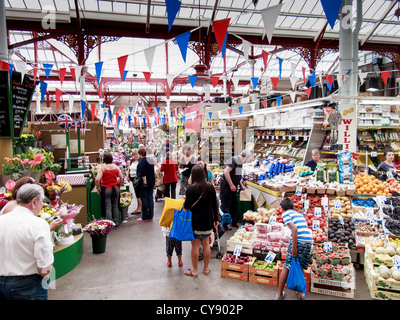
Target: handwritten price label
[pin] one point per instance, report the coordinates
(270, 257)
(272, 220)
(238, 250)
(298, 191)
(328, 246)
(396, 262)
(338, 204)
(306, 204)
(316, 225)
(317, 211)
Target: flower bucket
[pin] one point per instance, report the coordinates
(124, 213)
(99, 243)
(3, 179)
(17, 150)
(26, 174)
(35, 175)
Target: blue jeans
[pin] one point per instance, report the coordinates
(30, 287)
(111, 204)
(146, 194)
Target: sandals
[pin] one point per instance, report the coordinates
(189, 273)
(169, 264)
(207, 272)
(283, 296)
(303, 295)
(180, 263)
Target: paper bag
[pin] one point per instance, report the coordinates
(245, 195)
(260, 200)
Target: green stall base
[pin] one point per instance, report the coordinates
(243, 206)
(66, 258)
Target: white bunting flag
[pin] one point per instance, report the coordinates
(269, 17)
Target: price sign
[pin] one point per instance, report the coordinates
(396, 262)
(380, 200)
(272, 220)
(298, 191)
(328, 246)
(270, 257)
(284, 137)
(317, 211)
(374, 154)
(306, 204)
(315, 225)
(369, 212)
(389, 175)
(305, 138)
(341, 220)
(297, 138)
(373, 221)
(238, 250)
(325, 201)
(338, 204)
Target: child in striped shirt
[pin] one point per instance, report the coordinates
(300, 244)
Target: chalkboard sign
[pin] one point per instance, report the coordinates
(5, 121)
(22, 91)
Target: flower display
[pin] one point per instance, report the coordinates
(48, 212)
(4, 199)
(99, 227)
(55, 190)
(125, 199)
(12, 165)
(67, 213)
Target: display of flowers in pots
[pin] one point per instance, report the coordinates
(99, 227)
(5, 198)
(125, 199)
(12, 166)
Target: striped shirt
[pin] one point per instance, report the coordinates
(303, 232)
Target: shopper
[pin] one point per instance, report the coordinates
(388, 164)
(299, 246)
(26, 248)
(131, 177)
(171, 245)
(208, 174)
(201, 199)
(187, 162)
(108, 182)
(145, 170)
(166, 147)
(315, 154)
(170, 168)
(231, 181)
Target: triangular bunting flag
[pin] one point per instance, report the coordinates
(149, 54)
(124, 76)
(246, 48)
(83, 107)
(62, 73)
(93, 109)
(252, 106)
(70, 103)
(192, 80)
(230, 111)
(293, 81)
(292, 96)
(98, 66)
(275, 81)
(72, 70)
(240, 109)
(78, 72)
(183, 41)
(280, 67)
(303, 70)
(43, 89)
(311, 78)
(385, 76)
(224, 45)
(293, 67)
(265, 102)
(269, 16)
(254, 81)
(35, 74)
(58, 96)
(308, 91)
(121, 65)
(158, 110)
(173, 7)
(265, 59)
(170, 79)
(329, 81)
(278, 100)
(214, 80)
(235, 81)
(147, 76)
(47, 69)
(331, 9)
(220, 30)
(210, 114)
(362, 76)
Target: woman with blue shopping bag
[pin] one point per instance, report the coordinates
(298, 254)
(201, 199)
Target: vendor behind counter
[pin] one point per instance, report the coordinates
(314, 161)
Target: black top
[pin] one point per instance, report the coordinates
(145, 168)
(312, 164)
(187, 166)
(205, 211)
(236, 172)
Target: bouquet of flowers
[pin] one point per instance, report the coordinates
(4, 199)
(125, 199)
(99, 227)
(48, 213)
(55, 190)
(67, 214)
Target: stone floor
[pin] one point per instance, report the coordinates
(134, 268)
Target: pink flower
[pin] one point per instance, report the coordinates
(39, 158)
(33, 163)
(25, 161)
(10, 184)
(49, 175)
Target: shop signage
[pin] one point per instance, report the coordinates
(347, 130)
(5, 121)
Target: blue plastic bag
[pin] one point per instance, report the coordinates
(295, 280)
(182, 226)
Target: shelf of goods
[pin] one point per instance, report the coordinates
(220, 148)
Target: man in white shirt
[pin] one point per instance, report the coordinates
(26, 248)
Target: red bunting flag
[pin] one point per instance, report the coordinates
(121, 109)
(214, 80)
(149, 110)
(93, 109)
(121, 65)
(329, 79)
(308, 91)
(220, 29)
(385, 76)
(58, 96)
(265, 59)
(116, 118)
(5, 66)
(304, 74)
(265, 103)
(230, 111)
(147, 76)
(134, 118)
(72, 70)
(35, 69)
(275, 81)
(62, 74)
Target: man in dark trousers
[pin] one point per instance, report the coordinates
(231, 179)
(145, 170)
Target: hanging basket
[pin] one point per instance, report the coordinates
(99, 243)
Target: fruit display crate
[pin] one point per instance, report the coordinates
(378, 281)
(343, 289)
(234, 270)
(377, 259)
(268, 277)
(379, 289)
(247, 248)
(307, 275)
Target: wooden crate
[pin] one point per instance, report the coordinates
(379, 291)
(247, 248)
(262, 272)
(336, 288)
(264, 279)
(235, 274)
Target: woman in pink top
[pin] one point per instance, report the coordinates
(108, 183)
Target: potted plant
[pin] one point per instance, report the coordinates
(124, 203)
(11, 169)
(98, 230)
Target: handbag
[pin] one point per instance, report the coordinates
(136, 181)
(295, 280)
(170, 205)
(182, 229)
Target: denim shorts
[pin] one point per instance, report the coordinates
(201, 236)
(30, 287)
(303, 254)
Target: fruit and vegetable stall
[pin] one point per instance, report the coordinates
(355, 223)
